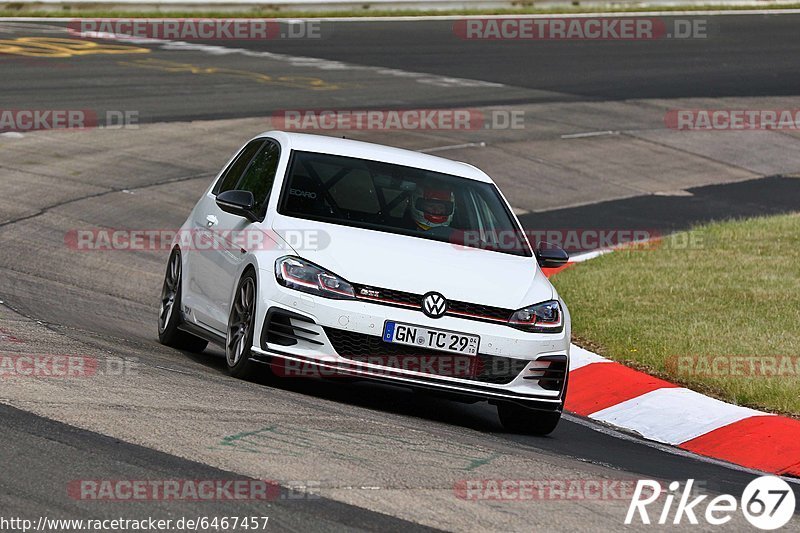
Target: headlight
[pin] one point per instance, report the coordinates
(301, 275)
(545, 317)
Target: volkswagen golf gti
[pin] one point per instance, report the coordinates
(360, 260)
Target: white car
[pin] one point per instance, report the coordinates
(327, 257)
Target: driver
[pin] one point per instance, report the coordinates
(432, 207)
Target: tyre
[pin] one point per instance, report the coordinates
(169, 316)
(241, 327)
(518, 419)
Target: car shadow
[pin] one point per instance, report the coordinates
(367, 394)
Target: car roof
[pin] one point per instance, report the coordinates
(375, 152)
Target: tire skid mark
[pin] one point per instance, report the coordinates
(110, 190)
(292, 441)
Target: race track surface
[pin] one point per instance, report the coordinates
(742, 56)
(355, 456)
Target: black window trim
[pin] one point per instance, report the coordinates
(262, 214)
(218, 184)
(284, 196)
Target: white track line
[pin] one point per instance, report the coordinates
(452, 147)
(589, 134)
(294, 61)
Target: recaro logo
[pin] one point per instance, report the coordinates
(303, 194)
(434, 304)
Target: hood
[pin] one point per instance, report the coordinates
(416, 265)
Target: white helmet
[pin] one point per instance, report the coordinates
(432, 206)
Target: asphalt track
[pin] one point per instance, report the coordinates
(162, 423)
(743, 55)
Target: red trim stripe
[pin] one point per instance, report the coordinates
(483, 317)
(597, 386)
(384, 300)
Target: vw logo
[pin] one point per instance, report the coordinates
(434, 305)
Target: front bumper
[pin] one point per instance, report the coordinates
(343, 338)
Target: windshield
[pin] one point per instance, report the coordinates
(402, 200)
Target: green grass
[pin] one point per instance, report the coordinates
(734, 292)
(92, 11)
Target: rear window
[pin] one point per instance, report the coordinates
(402, 200)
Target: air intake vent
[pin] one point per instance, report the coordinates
(278, 329)
(549, 371)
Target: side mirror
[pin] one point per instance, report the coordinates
(240, 203)
(550, 256)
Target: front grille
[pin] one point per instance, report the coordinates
(371, 349)
(388, 296)
(470, 311)
(478, 311)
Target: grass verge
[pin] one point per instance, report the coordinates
(716, 309)
(92, 11)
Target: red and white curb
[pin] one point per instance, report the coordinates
(657, 410)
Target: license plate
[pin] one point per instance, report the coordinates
(435, 339)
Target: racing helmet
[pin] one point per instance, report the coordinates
(432, 206)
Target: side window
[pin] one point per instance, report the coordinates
(231, 176)
(260, 175)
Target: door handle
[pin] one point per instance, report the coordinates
(211, 221)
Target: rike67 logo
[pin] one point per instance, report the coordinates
(768, 503)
